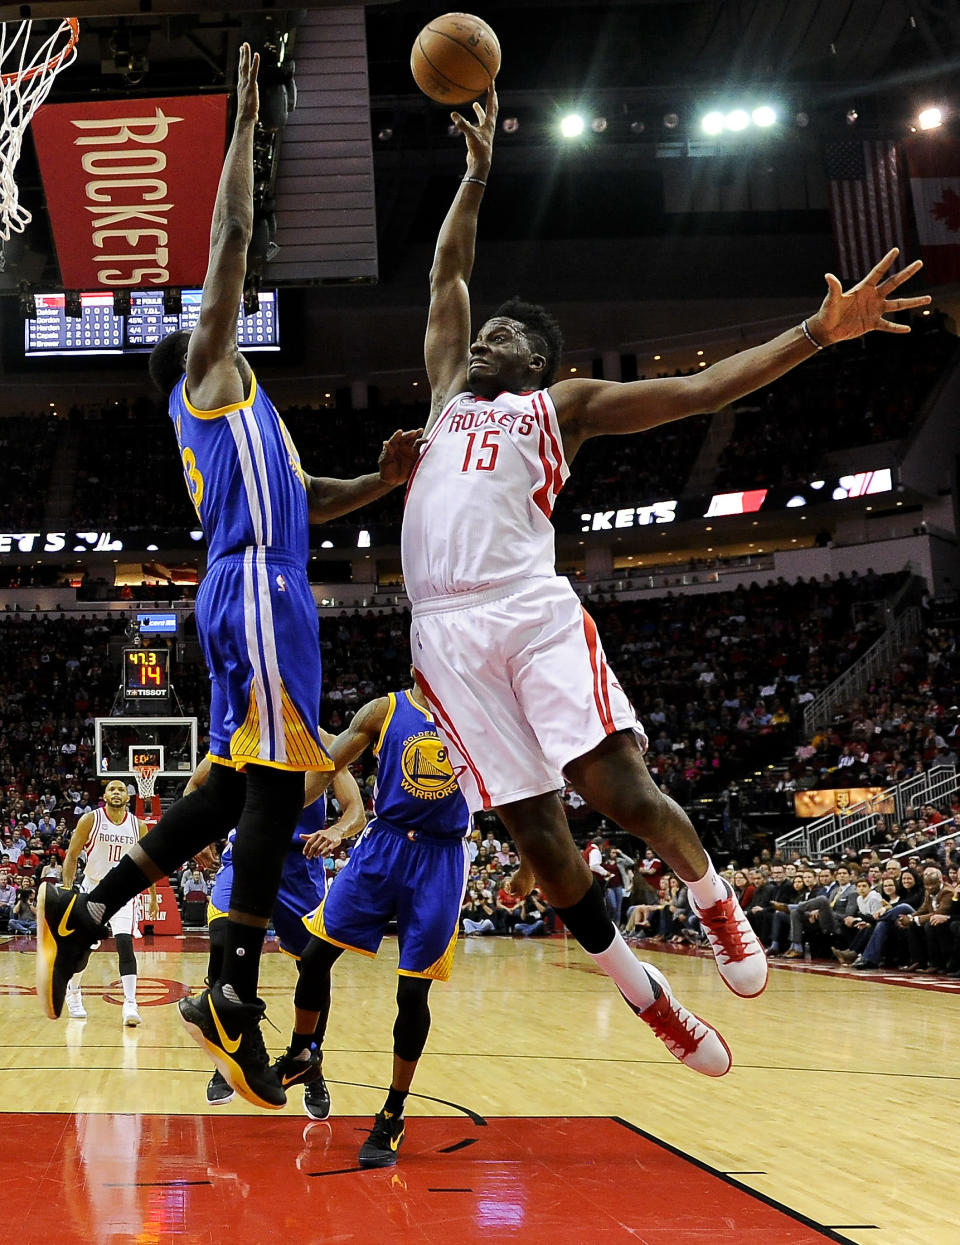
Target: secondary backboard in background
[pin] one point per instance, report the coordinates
(117, 739)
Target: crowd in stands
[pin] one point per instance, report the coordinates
(869, 910)
(858, 394)
(720, 682)
(27, 445)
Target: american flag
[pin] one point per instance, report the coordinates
(866, 202)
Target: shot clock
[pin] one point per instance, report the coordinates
(146, 674)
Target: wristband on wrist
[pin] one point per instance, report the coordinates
(477, 181)
(809, 336)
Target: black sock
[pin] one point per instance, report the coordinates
(589, 921)
(299, 1042)
(395, 1100)
(241, 959)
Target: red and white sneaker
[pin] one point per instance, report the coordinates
(741, 959)
(686, 1036)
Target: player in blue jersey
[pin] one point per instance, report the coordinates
(302, 887)
(257, 624)
(410, 865)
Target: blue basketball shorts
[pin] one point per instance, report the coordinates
(420, 882)
(257, 623)
(302, 887)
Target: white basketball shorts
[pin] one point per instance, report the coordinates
(519, 686)
(124, 921)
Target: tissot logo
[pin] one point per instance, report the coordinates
(629, 516)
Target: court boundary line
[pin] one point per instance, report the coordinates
(797, 1215)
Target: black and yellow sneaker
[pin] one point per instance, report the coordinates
(230, 1034)
(219, 1093)
(380, 1148)
(308, 1073)
(65, 934)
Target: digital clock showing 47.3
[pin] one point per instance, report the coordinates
(146, 673)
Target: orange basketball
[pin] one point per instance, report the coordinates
(455, 58)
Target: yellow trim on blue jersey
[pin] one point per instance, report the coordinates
(215, 760)
(303, 751)
(426, 712)
(441, 967)
(310, 753)
(392, 698)
(283, 951)
(213, 914)
(314, 923)
(221, 410)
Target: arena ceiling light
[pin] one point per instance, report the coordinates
(764, 116)
(571, 126)
(930, 118)
(712, 123)
(737, 120)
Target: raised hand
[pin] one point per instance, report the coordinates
(248, 95)
(864, 307)
(480, 136)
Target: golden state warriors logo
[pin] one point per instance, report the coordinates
(426, 768)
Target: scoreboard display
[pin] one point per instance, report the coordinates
(97, 330)
(146, 674)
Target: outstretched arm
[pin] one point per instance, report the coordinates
(328, 498)
(590, 408)
(448, 325)
(217, 375)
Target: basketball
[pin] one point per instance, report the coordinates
(455, 58)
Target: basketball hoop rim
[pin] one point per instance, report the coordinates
(146, 776)
(51, 65)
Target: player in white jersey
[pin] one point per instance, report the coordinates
(511, 664)
(102, 838)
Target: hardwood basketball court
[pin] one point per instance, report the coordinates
(543, 1110)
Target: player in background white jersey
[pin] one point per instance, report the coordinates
(510, 663)
(103, 837)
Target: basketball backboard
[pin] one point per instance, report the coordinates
(172, 742)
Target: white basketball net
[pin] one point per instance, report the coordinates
(146, 776)
(25, 82)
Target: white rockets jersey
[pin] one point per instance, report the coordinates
(479, 499)
(107, 842)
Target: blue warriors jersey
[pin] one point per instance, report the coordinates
(416, 787)
(243, 474)
(411, 862)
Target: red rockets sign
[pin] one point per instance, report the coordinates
(130, 187)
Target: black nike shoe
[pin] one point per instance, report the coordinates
(219, 1093)
(65, 934)
(230, 1034)
(316, 1098)
(305, 1072)
(380, 1148)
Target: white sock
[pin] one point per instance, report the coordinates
(129, 988)
(709, 889)
(73, 985)
(623, 967)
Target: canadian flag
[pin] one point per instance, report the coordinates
(934, 163)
